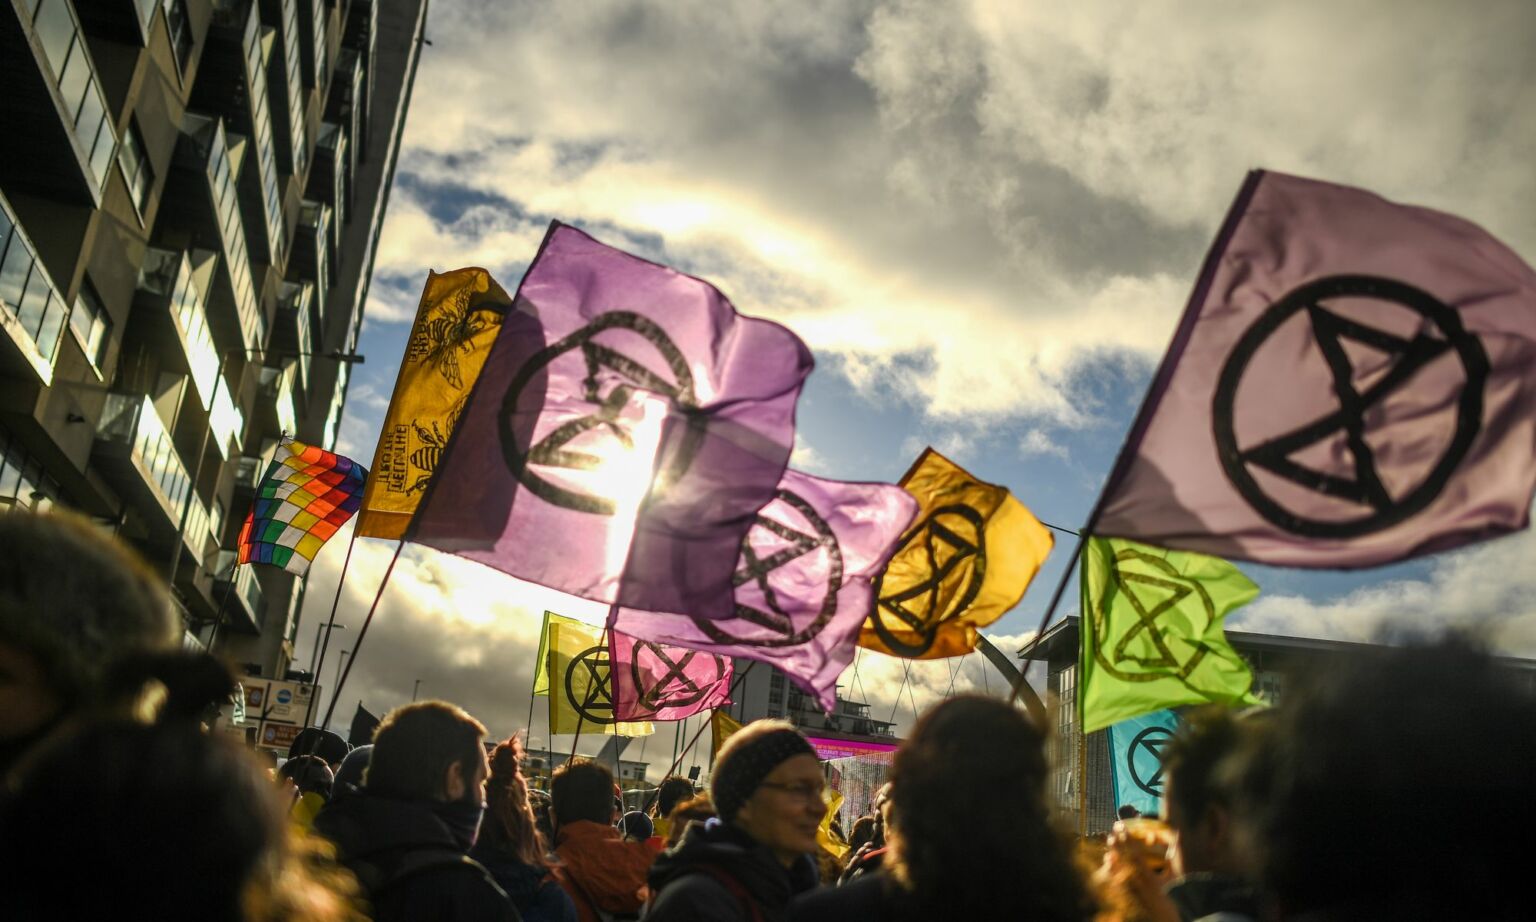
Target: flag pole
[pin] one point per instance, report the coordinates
(357, 644)
(678, 760)
(218, 620)
(1149, 401)
(1082, 779)
(330, 623)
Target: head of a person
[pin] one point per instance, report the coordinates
(349, 775)
(539, 802)
(693, 810)
(581, 790)
(73, 602)
(1429, 748)
(768, 783)
(1127, 812)
(172, 821)
(983, 760)
(672, 791)
(1197, 794)
(636, 826)
(429, 750)
(309, 775)
(863, 832)
(509, 817)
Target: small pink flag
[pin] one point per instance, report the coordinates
(1351, 385)
(653, 681)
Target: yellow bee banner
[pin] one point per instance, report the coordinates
(458, 319)
(967, 560)
(580, 683)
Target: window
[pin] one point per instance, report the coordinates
(181, 30)
(25, 289)
(90, 324)
(137, 172)
(85, 108)
(23, 484)
(261, 122)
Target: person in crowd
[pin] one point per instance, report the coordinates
(539, 802)
(863, 832)
(1127, 812)
(1395, 786)
(870, 856)
(970, 831)
(121, 819)
(756, 855)
(636, 826)
(349, 775)
(309, 782)
(73, 603)
(693, 810)
(673, 790)
(407, 834)
(510, 846)
(604, 875)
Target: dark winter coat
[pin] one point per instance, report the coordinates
(533, 890)
(689, 884)
(408, 863)
(869, 897)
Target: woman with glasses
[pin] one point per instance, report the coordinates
(755, 856)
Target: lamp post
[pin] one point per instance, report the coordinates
(314, 655)
(335, 355)
(415, 690)
(340, 662)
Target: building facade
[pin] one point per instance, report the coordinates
(191, 193)
(1273, 659)
(767, 693)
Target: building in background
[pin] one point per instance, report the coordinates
(1272, 658)
(191, 193)
(850, 729)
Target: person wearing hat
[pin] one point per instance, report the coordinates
(755, 856)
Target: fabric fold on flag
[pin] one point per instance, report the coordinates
(626, 429)
(456, 322)
(653, 681)
(307, 494)
(802, 582)
(967, 560)
(1151, 632)
(1349, 386)
(581, 692)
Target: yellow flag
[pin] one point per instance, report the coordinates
(580, 686)
(965, 562)
(541, 670)
(458, 319)
(825, 837)
(721, 728)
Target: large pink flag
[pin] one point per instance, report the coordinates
(803, 583)
(1353, 383)
(653, 681)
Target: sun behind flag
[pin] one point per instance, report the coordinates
(581, 696)
(968, 559)
(1151, 632)
(458, 318)
(307, 494)
(1349, 386)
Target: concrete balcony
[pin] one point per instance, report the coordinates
(135, 451)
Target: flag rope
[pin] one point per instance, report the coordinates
(905, 673)
(357, 645)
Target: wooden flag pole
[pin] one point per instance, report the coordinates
(357, 645)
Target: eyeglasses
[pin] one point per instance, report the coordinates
(806, 792)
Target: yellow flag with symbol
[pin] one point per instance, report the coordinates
(579, 682)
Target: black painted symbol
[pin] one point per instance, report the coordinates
(1441, 334)
(1151, 740)
(556, 449)
(1151, 596)
(674, 689)
(589, 670)
(954, 549)
(809, 548)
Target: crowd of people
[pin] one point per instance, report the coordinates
(1395, 788)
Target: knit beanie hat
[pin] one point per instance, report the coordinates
(743, 766)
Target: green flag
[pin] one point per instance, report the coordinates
(541, 671)
(1151, 632)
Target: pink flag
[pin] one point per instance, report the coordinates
(653, 681)
(626, 428)
(803, 583)
(1350, 385)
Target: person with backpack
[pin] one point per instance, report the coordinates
(511, 847)
(407, 833)
(755, 856)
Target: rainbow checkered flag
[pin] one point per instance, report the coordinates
(307, 494)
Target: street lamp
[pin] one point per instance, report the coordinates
(340, 662)
(415, 690)
(335, 355)
(314, 655)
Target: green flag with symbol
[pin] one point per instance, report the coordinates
(1152, 632)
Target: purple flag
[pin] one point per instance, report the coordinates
(803, 584)
(1350, 385)
(653, 681)
(626, 428)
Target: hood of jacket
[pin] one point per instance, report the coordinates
(739, 855)
(366, 825)
(610, 871)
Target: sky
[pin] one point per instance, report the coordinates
(984, 218)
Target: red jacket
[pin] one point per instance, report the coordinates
(601, 871)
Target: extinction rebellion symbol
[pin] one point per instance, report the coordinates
(952, 542)
(1146, 772)
(1154, 589)
(589, 670)
(1438, 337)
(674, 688)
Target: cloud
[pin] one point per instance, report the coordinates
(1035, 443)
